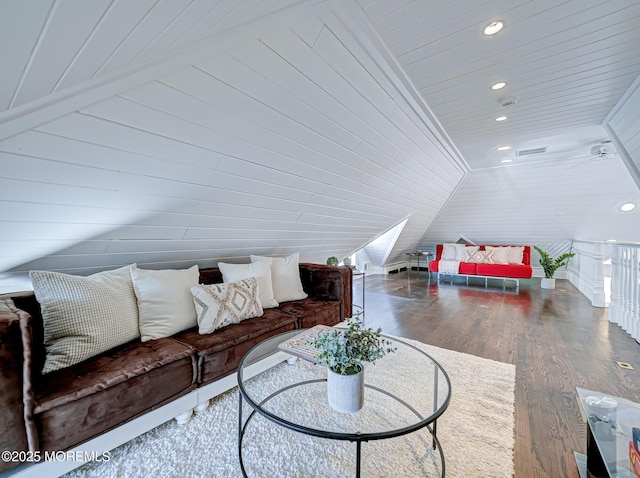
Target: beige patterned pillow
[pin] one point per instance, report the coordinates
(480, 257)
(218, 305)
(84, 316)
(260, 270)
(469, 251)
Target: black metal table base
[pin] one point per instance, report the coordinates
(355, 438)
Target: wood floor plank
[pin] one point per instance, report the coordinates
(555, 338)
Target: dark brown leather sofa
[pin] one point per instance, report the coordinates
(63, 409)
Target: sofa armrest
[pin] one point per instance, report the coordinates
(16, 399)
(329, 283)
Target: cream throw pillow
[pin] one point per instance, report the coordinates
(218, 305)
(259, 270)
(285, 277)
(165, 303)
(500, 254)
(449, 252)
(516, 254)
(84, 316)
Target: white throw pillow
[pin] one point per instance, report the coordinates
(500, 254)
(285, 277)
(165, 303)
(259, 270)
(218, 305)
(84, 316)
(449, 252)
(516, 254)
(461, 252)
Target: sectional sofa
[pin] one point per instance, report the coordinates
(106, 400)
(484, 261)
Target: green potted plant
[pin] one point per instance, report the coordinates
(342, 351)
(332, 261)
(550, 265)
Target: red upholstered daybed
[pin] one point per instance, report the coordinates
(513, 271)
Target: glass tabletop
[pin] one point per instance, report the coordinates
(610, 420)
(404, 391)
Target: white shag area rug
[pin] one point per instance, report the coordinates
(476, 433)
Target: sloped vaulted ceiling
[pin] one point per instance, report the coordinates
(171, 139)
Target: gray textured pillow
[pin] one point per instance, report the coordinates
(84, 316)
(218, 305)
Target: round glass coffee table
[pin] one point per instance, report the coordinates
(405, 392)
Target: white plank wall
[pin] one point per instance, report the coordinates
(540, 204)
(297, 142)
(623, 125)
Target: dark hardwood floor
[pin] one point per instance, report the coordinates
(555, 338)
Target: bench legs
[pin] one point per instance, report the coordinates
(184, 417)
(201, 407)
(486, 279)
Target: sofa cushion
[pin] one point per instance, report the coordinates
(467, 268)
(311, 312)
(515, 271)
(84, 316)
(77, 403)
(107, 370)
(219, 353)
(219, 305)
(165, 302)
(285, 277)
(259, 270)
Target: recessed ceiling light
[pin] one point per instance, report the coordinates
(498, 86)
(501, 118)
(628, 206)
(494, 27)
(504, 148)
(506, 160)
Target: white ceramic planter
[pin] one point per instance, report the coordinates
(547, 283)
(345, 392)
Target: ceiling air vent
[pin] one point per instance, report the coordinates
(529, 152)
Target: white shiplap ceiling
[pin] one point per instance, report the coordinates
(168, 132)
(567, 61)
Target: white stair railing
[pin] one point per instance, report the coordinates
(624, 309)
